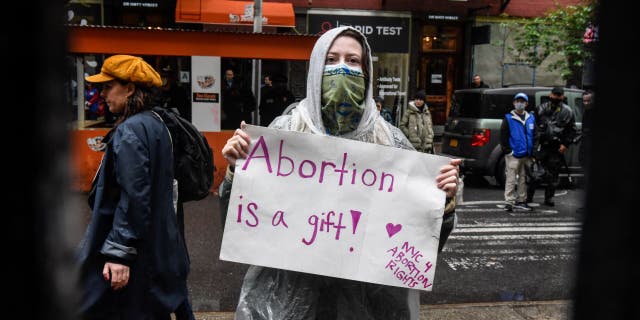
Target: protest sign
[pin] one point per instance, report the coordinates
(335, 207)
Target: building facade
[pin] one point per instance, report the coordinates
(428, 45)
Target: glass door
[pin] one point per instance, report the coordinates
(438, 64)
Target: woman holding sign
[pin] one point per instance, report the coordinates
(340, 103)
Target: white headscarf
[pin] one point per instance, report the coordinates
(307, 116)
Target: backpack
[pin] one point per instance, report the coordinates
(192, 156)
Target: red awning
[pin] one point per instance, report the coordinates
(224, 12)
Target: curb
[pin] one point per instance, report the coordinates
(512, 310)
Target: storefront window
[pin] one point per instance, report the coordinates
(87, 109)
(390, 80)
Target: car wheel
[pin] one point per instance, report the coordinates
(500, 174)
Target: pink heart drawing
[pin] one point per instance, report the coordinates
(393, 229)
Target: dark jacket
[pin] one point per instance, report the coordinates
(555, 125)
(237, 103)
(517, 134)
(273, 102)
(481, 85)
(134, 222)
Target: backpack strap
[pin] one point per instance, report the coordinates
(165, 126)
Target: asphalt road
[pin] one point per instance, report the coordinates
(494, 255)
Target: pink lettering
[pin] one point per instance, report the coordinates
(324, 165)
(280, 158)
(342, 171)
(313, 220)
(325, 224)
(265, 154)
(372, 180)
(250, 207)
(428, 266)
(278, 218)
(313, 169)
(384, 176)
(307, 168)
(415, 254)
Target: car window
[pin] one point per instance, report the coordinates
(478, 105)
(466, 105)
(495, 106)
(578, 108)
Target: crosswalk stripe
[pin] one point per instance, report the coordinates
(497, 262)
(515, 229)
(480, 224)
(513, 237)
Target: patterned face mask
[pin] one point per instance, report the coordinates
(342, 98)
(519, 106)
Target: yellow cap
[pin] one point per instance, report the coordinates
(127, 68)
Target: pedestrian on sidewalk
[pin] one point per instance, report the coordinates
(133, 262)
(516, 139)
(417, 125)
(384, 112)
(339, 103)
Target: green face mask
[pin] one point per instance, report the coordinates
(342, 98)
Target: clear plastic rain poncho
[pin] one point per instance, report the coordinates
(277, 294)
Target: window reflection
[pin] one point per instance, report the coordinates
(439, 38)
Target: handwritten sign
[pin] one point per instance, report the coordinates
(336, 207)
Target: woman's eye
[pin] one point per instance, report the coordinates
(354, 61)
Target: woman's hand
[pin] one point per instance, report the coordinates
(237, 146)
(448, 178)
(117, 273)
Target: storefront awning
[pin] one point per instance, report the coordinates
(224, 12)
(171, 42)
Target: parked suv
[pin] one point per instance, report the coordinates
(472, 132)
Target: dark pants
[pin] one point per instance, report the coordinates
(184, 311)
(552, 161)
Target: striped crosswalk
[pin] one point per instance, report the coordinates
(483, 239)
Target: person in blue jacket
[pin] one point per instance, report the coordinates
(516, 139)
(133, 263)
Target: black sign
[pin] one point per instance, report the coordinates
(144, 4)
(442, 17)
(384, 34)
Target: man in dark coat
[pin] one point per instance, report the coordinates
(237, 101)
(556, 130)
(274, 99)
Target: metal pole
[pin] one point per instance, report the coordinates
(257, 63)
(80, 91)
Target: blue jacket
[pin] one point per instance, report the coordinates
(134, 223)
(517, 135)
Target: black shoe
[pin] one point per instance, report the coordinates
(549, 203)
(523, 206)
(508, 208)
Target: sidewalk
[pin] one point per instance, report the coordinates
(527, 310)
